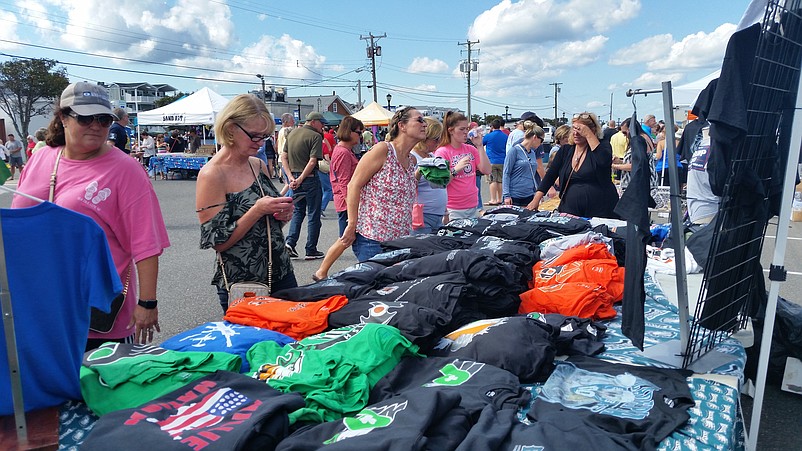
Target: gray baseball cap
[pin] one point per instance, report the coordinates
(86, 99)
(316, 116)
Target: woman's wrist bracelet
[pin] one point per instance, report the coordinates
(148, 304)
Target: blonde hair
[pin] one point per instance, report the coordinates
(240, 109)
(562, 132)
(433, 129)
(592, 121)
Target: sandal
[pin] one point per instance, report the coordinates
(316, 278)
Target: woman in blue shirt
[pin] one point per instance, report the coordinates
(518, 184)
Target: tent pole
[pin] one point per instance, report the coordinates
(776, 264)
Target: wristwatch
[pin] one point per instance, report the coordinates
(453, 173)
(148, 304)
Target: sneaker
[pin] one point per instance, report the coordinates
(314, 255)
(291, 250)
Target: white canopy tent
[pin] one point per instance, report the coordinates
(684, 96)
(199, 108)
(373, 114)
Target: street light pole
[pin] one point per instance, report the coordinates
(389, 98)
(298, 102)
(262, 77)
(506, 113)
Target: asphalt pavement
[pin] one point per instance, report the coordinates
(187, 299)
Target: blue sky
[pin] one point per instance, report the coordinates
(594, 48)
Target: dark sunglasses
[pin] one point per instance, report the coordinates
(253, 138)
(420, 120)
(358, 131)
(582, 116)
(104, 120)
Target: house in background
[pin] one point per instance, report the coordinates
(135, 97)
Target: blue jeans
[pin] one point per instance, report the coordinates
(342, 220)
(308, 205)
(288, 281)
(328, 195)
(431, 222)
(365, 248)
(479, 185)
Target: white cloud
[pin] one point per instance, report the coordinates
(427, 88)
(642, 51)
(595, 104)
(540, 21)
(654, 80)
(9, 30)
(698, 50)
(427, 65)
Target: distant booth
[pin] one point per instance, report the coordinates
(199, 108)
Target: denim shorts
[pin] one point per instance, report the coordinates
(365, 248)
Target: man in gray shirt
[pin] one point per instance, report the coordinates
(14, 149)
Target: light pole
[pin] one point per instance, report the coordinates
(506, 113)
(298, 102)
(389, 98)
(262, 77)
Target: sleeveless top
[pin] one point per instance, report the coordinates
(246, 260)
(385, 207)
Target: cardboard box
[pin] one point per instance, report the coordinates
(792, 379)
(796, 215)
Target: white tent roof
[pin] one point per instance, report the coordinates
(198, 108)
(684, 96)
(374, 114)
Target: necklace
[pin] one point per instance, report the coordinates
(577, 159)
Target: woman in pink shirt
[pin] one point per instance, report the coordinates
(343, 165)
(463, 193)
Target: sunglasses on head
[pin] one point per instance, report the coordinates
(582, 116)
(104, 120)
(253, 138)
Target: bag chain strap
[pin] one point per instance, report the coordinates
(269, 244)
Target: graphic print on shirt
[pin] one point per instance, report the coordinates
(468, 167)
(292, 362)
(622, 396)
(456, 373)
(208, 334)
(559, 273)
(701, 154)
(94, 194)
(464, 335)
(325, 340)
(204, 414)
(381, 312)
(367, 420)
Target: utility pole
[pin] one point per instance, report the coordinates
(611, 106)
(556, 90)
(373, 51)
(467, 68)
(359, 93)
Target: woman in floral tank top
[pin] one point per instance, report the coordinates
(382, 190)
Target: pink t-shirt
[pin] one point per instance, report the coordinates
(462, 191)
(117, 194)
(343, 165)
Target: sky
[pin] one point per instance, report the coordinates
(595, 50)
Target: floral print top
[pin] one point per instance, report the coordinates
(246, 261)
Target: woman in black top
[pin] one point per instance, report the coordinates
(584, 169)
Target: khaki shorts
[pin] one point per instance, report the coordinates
(496, 173)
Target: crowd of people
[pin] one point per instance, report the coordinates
(423, 167)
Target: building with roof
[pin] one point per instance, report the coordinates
(135, 97)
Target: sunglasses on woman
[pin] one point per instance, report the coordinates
(582, 116)
(104, 120)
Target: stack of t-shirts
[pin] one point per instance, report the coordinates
(521, 345)
(334, 371)
(223, 336)
(120, 376)
(573, 286)
(423, 309)
(589, 403)
(223, 411)
(478, 384)
(554, 247)
(578, 336)
(323, 289)
(426, 244)
(295, 319)
(418, 419)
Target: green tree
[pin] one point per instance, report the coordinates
(491, 117)
(166, 100)
(28, 88)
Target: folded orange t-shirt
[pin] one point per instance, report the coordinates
(605, 272)
(590, 251)
(585, 300)
(295, 319)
